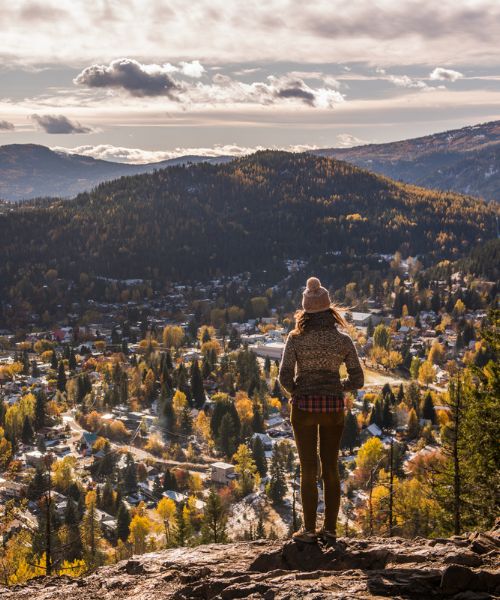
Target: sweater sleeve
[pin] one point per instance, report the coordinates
(356, 378)
(287, 367)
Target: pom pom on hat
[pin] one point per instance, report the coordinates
(315, 297)
(313, 284)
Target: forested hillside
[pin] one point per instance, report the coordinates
(250, 214)
(463, 160)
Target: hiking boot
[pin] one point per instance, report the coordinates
(328, 537)
(306, 536)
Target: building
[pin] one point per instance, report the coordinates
(222, 472)
(272, 350)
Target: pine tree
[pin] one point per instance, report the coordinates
(91, 532)
(74, 548)
(257, 419)
(186, 421)
(26, 363)
(214, 519)
(428, 411)
(260, 532)
(122, 522)
(157, 488)
(169, 481)
(277, 484)
(130, 474)
(38, 484)
(107, 499)
(61, 378)
(227, 437)
(350, 433)
(259, 456)
(54, 364)
(40, 410)
(386, 413)
(72, 361)
(27, 434)
(197, 390)
(267, 365)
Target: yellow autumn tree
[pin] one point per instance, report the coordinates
(166, 512)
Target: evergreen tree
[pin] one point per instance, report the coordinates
(214, 520)
(26, 363)
(61, 378)
(38, 484)
(157, 488)
(257, 419)
(227, 438)
(54, 364)
(169, 481)
(259, 456)
(122, 522)
(197, 390)
(107, 500)
(428, 411)
(72, 361)
(186, 421)
(27, 434)
(260, 532)
(386, 412)
(35, 371)
(73, 548)
(376, 415)
(350, 433)
(40, 410)
(277, 484)
(267, 365)
(130, 474)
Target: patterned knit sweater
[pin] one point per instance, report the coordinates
(311, 359)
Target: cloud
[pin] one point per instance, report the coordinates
(386, 32)
(136, 78)
(407, 82)
(442, 74)
(59, 124)
(192, 69)
(6, 125)
(154, 80)
(140, 156)
(347, 140)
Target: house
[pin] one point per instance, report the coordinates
(34, 458)
(373, 430)
(177, 497)
(272, 350)
(222, 472)
(86, 441)
(11, 489)
(267, 442)
(274, 421)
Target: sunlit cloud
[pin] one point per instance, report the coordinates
(442, 74)
(140, 156)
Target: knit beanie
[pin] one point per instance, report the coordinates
(315, 298)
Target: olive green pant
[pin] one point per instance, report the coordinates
(307, 427)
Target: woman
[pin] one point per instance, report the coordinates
(309, 372)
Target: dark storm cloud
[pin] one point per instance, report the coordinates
(6, 126)
(130, 75)
(297, 92)
(59, 124)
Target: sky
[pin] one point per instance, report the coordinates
(146, 80)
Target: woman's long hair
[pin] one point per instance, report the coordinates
(302, 318)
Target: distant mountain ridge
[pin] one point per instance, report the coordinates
(30, 171)
(247, 215)
(464, 160)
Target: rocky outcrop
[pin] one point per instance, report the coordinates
(459, 568)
